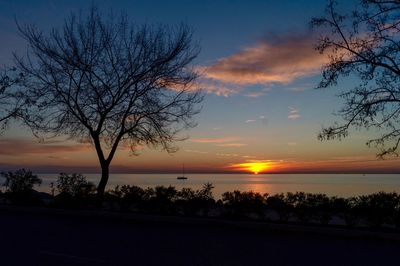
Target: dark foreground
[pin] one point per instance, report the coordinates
(31, 237)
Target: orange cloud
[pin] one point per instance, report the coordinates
(214, 140)
(279, 61)
(232, 145)
(17, 147)
(208, 86)
(227, 154)
(196, 151)
(218, 88)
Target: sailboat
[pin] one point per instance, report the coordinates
(183, 177)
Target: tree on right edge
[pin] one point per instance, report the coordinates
(364, 43)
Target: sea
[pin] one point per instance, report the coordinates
(345, 185)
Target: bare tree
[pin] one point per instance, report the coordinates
(364, 44)
(101, 79)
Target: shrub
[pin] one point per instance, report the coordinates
(244, 204)
(20, 181)
(163, 199)
(279, 204)
(19, 187)
(310, 207)
(342, 208)
(205, 192)
(378, 208)
(74, 191)
(74, 185)
(196, 202)
(131, 197)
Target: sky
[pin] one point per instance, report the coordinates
(259, 70)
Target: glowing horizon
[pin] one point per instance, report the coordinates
(252, 167)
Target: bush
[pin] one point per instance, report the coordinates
(244, 204)
(279, 204)
(162, 199)
(308, 207)
(20, 181)
(377, 209)
(195, 202)
(19, 187)
(74, 191)
(130, 197)
(74, 185)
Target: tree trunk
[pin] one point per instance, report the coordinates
(104, 179)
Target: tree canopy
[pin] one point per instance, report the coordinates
(104, 80)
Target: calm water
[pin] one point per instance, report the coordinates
(331, 184)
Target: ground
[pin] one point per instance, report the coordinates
(84, 238)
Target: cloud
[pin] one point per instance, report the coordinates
(17, 147)
(300, 88)
(214, 140)
(211, 86)
(57, 157)
(227, 154)
(231, 145)
(261, 118)
(273, 60)
(196, 151)
(248, 156)
(218, 88)
(255, 94)
(294, 113)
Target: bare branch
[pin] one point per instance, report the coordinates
(364, 44)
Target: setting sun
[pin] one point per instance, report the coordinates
(254, 167)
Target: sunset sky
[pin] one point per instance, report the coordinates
(259, 74)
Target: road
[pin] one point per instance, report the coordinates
(27, 238)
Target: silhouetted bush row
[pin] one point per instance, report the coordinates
(161, 199)
(376, 210)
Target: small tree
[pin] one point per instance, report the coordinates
(103, 80)
(74, 185)
(20, 181)
(364, 43)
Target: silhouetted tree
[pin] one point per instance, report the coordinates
(244, 204)
(364, 43)
(74, 191)
(206, 191)
(74, 185)
(131, 197)
(280, 205)
(195, 202)
(101, 79)
(378, 208)
(20, 181)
